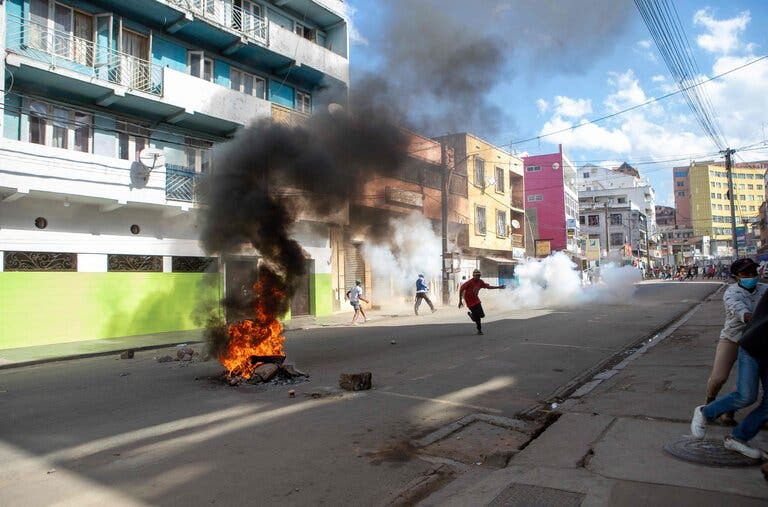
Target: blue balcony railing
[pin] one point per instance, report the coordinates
(181, 183)
(63, 49)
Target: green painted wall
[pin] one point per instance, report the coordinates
(44, 308)
(321, 294)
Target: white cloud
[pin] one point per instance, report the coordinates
(573, 108)
(722, 35)
(590, 136)
(658, 78)
(645, 44)
(628, 92)
(542, 105)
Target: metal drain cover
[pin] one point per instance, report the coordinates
(707, 452)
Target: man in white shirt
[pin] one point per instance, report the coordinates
(355, 295)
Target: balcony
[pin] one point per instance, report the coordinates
(62, 50)
(288, 117)
(517, 241)
(308, 56)
(181, 184)
(209, 105)
(227, 16)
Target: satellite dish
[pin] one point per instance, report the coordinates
(491, 181)
(515, 224)
(152, 158)
(556, 166)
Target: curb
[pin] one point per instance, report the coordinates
(94, 354)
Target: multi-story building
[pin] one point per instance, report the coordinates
(594, 181)
(416, 188)
(552, 201)
(702, 190)
(496, 217)
(111, 109)
(619, 224)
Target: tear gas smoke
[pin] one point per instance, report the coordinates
(410, 247)
(554, 282)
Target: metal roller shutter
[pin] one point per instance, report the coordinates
(354, 266)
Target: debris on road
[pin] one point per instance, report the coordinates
(291, 393)
(186, 354)
(165, 359)
(393, 342)
(128, 354)
(356, 381)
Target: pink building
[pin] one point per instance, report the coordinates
(552, 201)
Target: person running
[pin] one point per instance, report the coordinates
(740, 300)
(471, 289)
(355, 295)
(421, 294)
(753, 362)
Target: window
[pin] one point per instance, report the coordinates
(303, 102)
(741, 186)
(593, 220)
(616, 219)
(500, 180)
(719, 196)
(198, 154)
(37, 121)
(751, 197)
(501, 224)
(759, 187)
(533, 168)
(308, 33)
(535, 197)
(479, 173)
(750, 186)
(712, 195)
(743, 208)
(479, 220)
(131, 139)
(247, 83)
(585, 175)
(582, 220)
(751, 208)
(680, 183)
(617, 238)
(719, 207)
(742, 197)
(59, 127)
(199, 65)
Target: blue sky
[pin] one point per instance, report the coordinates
(626, 72)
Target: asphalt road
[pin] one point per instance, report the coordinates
(137, 432)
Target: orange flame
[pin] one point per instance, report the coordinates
(260, 336)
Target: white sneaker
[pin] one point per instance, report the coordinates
(737, 445)
(698, 423)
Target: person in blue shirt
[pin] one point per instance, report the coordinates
(421, 294)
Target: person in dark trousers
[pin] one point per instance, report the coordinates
(468, 292)
(421, 294)
(752, 371)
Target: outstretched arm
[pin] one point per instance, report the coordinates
(461, 298)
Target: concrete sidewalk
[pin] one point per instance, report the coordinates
(25, 356)
(607, 446)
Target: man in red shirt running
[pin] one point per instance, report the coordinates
(468, 292)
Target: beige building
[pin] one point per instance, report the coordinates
(493, 238)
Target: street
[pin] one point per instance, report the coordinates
(138, 432)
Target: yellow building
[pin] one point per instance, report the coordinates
(710, 206)
(493, 179)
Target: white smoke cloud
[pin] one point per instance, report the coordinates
(554, 282)
(412, 248)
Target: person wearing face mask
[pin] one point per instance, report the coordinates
(740, 301)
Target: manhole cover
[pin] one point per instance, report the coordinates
(707, 452)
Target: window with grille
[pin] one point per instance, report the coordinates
(480, 227)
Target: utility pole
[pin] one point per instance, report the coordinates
(446, 257)
(647, 245)
(728, 152)
(607, 239)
